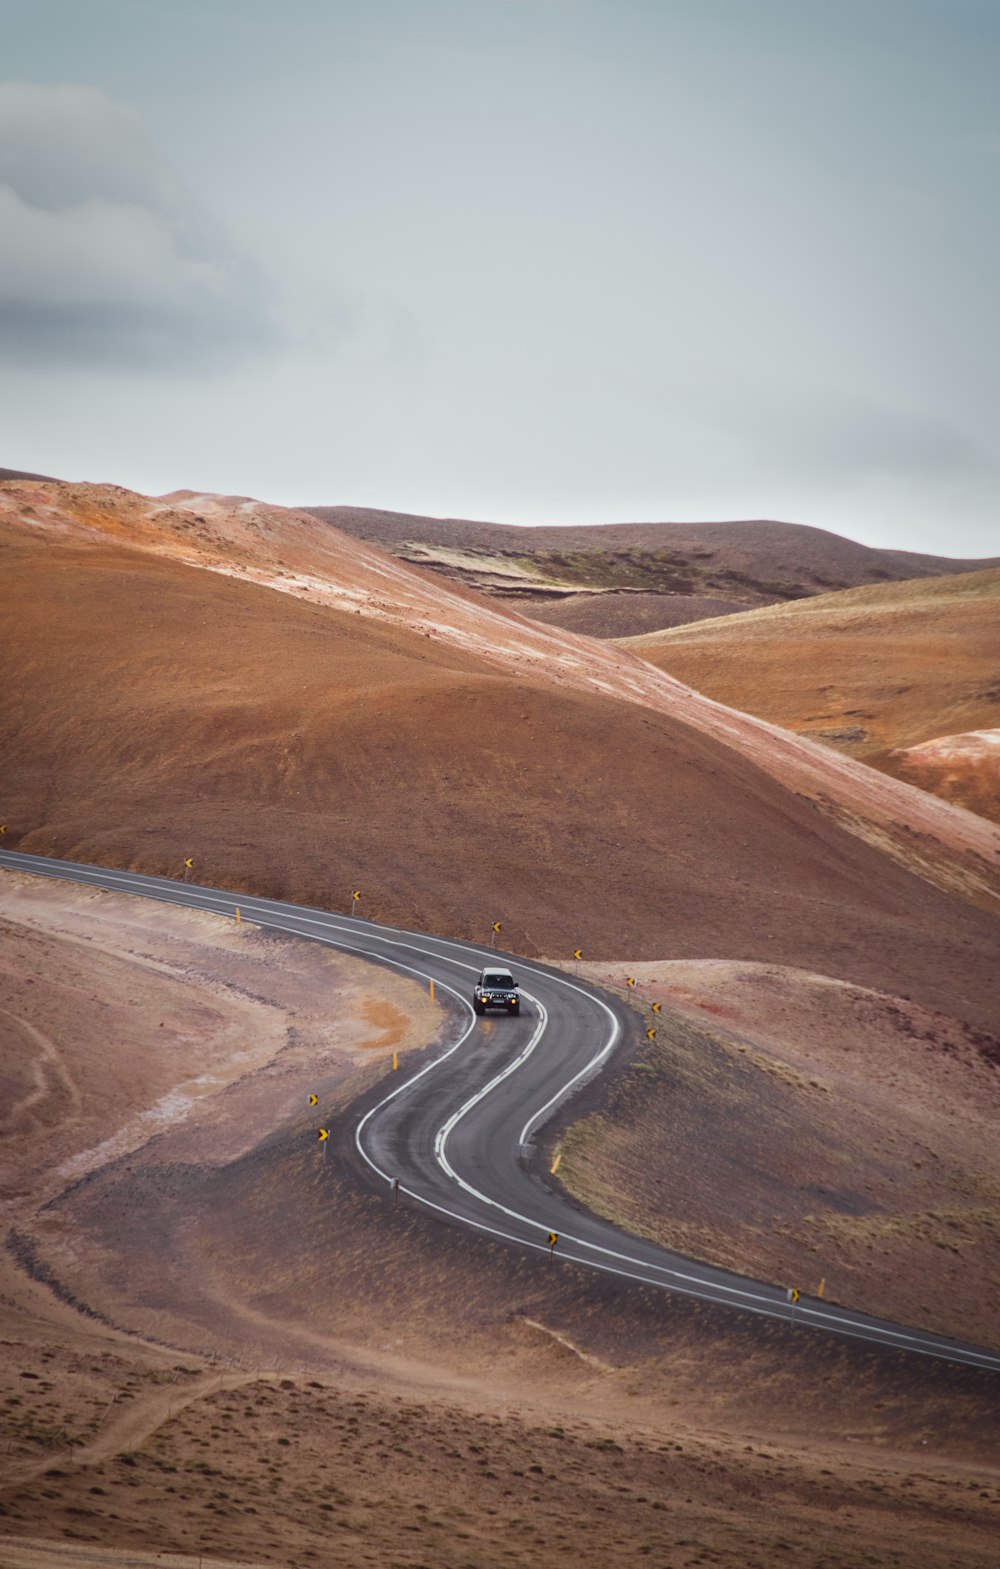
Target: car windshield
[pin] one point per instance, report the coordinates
(498, 978)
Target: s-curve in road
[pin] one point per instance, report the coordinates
(458, 1133)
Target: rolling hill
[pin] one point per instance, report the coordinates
(308, 715)
(623, 579)
(904, 676)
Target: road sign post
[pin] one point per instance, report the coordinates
(493, 934)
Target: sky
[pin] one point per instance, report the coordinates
(533, 261)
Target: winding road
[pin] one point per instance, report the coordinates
(458, 1135)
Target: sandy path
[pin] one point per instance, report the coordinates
(133, 1423)
(49, 1065)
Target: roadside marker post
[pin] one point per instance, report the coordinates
(237, 915)
(822, 1287)
(630, 980)
(188, 863)
(555, 1165)
(578, 955)
(553, 1239)
(792, 1296)
(355, 896)
(656, 1006)
(395, 1192)
(395, 1063)
(432, 988)
(493, 935)
(651, 1034)
(324, 1135)
(314, 1100)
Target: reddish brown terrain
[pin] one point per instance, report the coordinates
(905, 676)
(218, 1343)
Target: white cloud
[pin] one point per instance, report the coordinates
(105, 258)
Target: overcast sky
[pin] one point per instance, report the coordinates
(538, 261)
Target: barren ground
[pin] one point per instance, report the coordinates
(217, 1343)
(802, 1130)
(883, 673)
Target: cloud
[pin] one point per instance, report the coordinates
(105, 258)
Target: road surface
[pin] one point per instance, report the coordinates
(459, 1135)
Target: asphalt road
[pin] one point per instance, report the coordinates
(458, 1135)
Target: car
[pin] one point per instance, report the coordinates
(496, 989)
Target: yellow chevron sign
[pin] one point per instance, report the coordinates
(324, 1134)
(313, 1100)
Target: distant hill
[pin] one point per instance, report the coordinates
(620, 579)
(21, 474)
(904, 676)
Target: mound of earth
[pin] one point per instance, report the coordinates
(880, 673)
(960, 768)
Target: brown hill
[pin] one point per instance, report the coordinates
(896, 674)
(624, 579)
(21, 474)
(456, 762)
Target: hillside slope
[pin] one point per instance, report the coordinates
(454, 762)
(896, 674)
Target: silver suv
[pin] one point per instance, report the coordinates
(496, 989)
